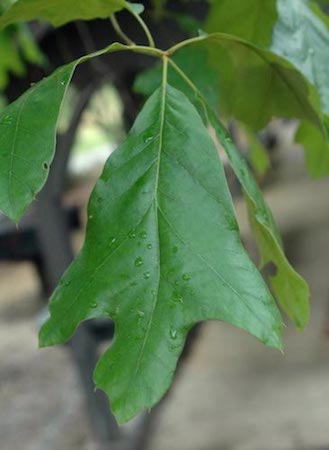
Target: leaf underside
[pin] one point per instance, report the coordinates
(59, 12)
(162, 253)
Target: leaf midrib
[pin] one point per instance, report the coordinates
(156, 204)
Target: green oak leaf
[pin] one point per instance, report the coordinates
(59, 12)
(252, 20)
(28, 138)
(27, 141)
(162, 253)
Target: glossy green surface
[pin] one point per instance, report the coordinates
(27, 141)
(162, 253)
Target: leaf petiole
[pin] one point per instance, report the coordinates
(119, 31)
(142, 24)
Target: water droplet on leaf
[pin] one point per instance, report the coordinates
(146, 275)
(173, 333)
(111, 241)
(138, 262)
(143, 234)
(132, 234)
(7, 120)
(93, 305)
(149, 246)
(176, 297)
(186, 277)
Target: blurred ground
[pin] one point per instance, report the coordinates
(232, 394)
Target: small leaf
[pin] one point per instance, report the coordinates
(290, 289)
(27, 141)
(28, 137)
(162, 254)
(59, 12)
(138, 8)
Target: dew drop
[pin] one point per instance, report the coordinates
(68, 283)
(90, 217)
(132, 234)
(176, 297)
(63, 82)
(111, 241)
(143, 234)
(140, 314)
(186, 277)
(93, 305)
(138, 262)
(146, 275)
(149, 246)
(311, 51)
(228, 139)
(173, 333)
(148, 139)
(7, 120)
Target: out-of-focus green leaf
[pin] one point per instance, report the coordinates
(162, 252)
(252, 20)
(258, 155)
(28, 46)
(10, 59)
(59, 12)
(303, 38)
(197, 65)
(316, 148)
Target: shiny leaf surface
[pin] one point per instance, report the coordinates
(162, 253)
(27, 141)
